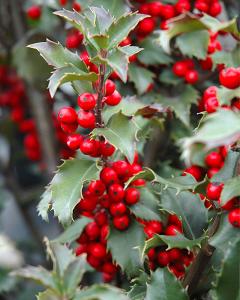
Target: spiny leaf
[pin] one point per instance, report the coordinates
(58, 56)
(120, 132)
(44, 205)
(48, 295)
(101, 292)
(66, 187)
(68, 74)
(120, 29)
(73, 231)
(178, 241)
(116, 7)
(129, 240)
(230, 190)
(192, 44)
(118, 61)
(164, 286)
(225, 95)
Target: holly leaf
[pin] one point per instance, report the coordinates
(121, 133)
(216, 129)
(73, 231)
(120, 29)
(118, 61)
(48, 295)
(219, 56)
(168, 77)
(131, 240)
(181, 104)
(194, 45)
(116, 7)
(141, 77)
(58, 56)
(65, 189)
(128, 106)
(37, 274)
(225, 95)
(68, 74)
(185, 205)
(230, 190)
(164, 286)
(226, 287)
(101, 292)
(45, 204)
(178, 241)
(153, 54)
(138, 290)
(148, 206)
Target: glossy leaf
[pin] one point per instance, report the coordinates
(118, 61)
(48, 295)
(225, 95)
(230, 190)
(131, 240)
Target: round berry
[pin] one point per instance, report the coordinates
(180, 68)
(96, 188)
(116, 192)
(86, 119)
(163, 258)
(214, 160)
(172, 230)
(108, 176)
(122, 222)
(81, 249)
(195, 171)
(67, 115)
(98, 250)
(109, 87)
(234, 217)
(174, 254)
(86, 101)
(104, 233)
(132, 196)
(87, 147)
(191, 76)
(118, 209)
(34, 12)
(155, 9)
(121, 167)
(106, 149)
(113, 99)
(74, 40)
(230, 78)
(168, 11)
(74, 141)
(76, 6)
(146, 26)
(92, 230)
(109, 268)
(213, 190)
(87, 204)
(215, 9)
(211, 104)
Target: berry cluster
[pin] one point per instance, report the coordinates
(185, 69)
(74, 39)
(176, 259)
(214, 162)
(69, 120)
(107, 202)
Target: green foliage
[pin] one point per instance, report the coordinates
(65, 190)
(225, 95)
(131, 240)
(164, 286)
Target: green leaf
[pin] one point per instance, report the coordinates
(229, 168)
(181, 104)
(185, 205)
(217, 129)
(230, 190)
(116, 7)
(48, 295)
(58, 56)
(121, 133)
(225, 95)
(45, 204)
(227, 287)
(141, 77)
(73, 231)
(130, 50)
(148, 206)
(118, 61)
(178, 241)
(120, 29)
(37, 274)
(219, 56)
(101, 292)
(131, 240)
(103, 19)
(68, 74)
(66, 186)
(139, 288)
(153, 54)
(129, 106)
(168, 77)
(194, 45)
(225, 235)
(164, 286)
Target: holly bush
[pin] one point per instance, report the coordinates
(148, 196)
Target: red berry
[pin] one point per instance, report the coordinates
(163, 258)
(152, 254)
(86, 101)
(206, 63)
(180, 68)
(106, 149)
(96, 188)
(127, 41)
(92, 230)
(201, 5)
(146, 26)
(214, 160)
(109, 268)
(87, 204)
(215, 9)
(211, 91)
(98, 250)
(168, 11)
(109, 87)
(191, 76)
(121, 167)
(230, 78)
(138, 182)
(104, 233)
(182, 6)
(108, 176)
(104, 201)
(172, 230)
(234, 217)
(81, 249)
(121, 223)
(211, 172)
(118, 209)
(93, 261)
(34, 12)
(31, 141)
(213, 190)
(63, 2)
(174, 254)
(135, 168)
(211, 104)
(174, 220)
(67, 115)
(155, 9)
(177, 270)
(156, 226)
(86, 119)
(195, 171)
(87, 147)
(132, 196)
(74, 141)
(76, 6)
(116, 192)
(113, 99)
